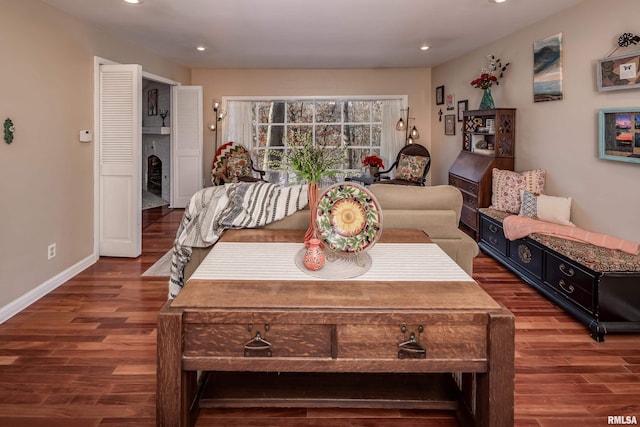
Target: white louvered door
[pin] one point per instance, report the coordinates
(186, 140)
(120, 199)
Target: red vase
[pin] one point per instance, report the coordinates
(314, 256)
(312, 190)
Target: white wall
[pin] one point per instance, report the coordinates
(559, 136)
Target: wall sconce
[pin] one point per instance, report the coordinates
(213, 126)
(402, 125)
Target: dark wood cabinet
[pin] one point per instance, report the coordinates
(604, 301)
(488, 141)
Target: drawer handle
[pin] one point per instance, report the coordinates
(493, 228)
(524, 253)
(411, 348)
(257, 346)
(493, 240)
(569, 272)
(570, 289)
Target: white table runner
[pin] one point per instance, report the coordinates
(275, 261)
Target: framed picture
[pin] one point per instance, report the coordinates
(450, 124)
(619, 72)
(152, 102)
(440, 95)
(462, 107)
(619, 134)
(547, 69)
(451, 100)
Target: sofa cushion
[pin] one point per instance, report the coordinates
(506, 187)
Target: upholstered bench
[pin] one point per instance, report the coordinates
(598, 286)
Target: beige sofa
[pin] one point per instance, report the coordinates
(436, 210)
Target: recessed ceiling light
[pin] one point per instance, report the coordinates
(133, 1)
(201, 48)
(497, 1)
(424, 47)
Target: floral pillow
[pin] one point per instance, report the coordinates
(238, 164)
(506, 187)
(411, 168)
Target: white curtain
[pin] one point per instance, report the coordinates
(392, 140)
(237, 125)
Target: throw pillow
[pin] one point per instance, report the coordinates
(411, 168)
(238, 164)
(555, 209)
(547, 208)
(506, 187)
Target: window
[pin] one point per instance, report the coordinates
(359, 123)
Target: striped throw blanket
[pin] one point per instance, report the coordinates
(238, 205)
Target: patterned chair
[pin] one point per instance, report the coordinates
(232, 163)
(412, 165)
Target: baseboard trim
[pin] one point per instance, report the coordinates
(19, 304)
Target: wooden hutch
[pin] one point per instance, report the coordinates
(488, 141)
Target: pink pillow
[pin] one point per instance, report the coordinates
(507, 185)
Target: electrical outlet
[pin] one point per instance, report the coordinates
(51, 251)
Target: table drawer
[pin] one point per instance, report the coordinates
(457, 341)
(463, 184)
(527, 255)
(570, 280)
(231, 340)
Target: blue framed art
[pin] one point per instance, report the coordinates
(619, 134)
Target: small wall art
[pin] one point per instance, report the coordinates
(619, 72)
(462, 107)
(152, 102)
(547, 69)
(440, 95)
(619, 134)
(450, 124)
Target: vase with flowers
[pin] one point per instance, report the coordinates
(309, 162)
(374, 163)
(490, 75)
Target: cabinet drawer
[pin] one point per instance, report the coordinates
(440, 340)
(469, 217)
(570, 280)
(527, 255)
(470, 200)
(228, 340)
(463, 184)
(493, 234)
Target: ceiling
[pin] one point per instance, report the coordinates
(311, 33)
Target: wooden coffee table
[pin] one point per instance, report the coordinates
(435, 344)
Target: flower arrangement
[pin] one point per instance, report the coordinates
(373, 161)
(309, 162)
(490, 74)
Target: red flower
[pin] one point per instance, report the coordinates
(373, 161)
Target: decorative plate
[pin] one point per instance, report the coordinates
(349, 218)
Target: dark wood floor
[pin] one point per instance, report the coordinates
(85, 354)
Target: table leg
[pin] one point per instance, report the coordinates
(494, 389)
(175, 387)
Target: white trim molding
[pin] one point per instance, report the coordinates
(19, 304)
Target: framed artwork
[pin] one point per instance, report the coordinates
(547, 69)
(619, 72)
(152, 102)
(462, 107)
(451, 100)
(440, 95)
(619, 134)
(450, 124)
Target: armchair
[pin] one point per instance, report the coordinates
(411, 167)
(232, 163)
